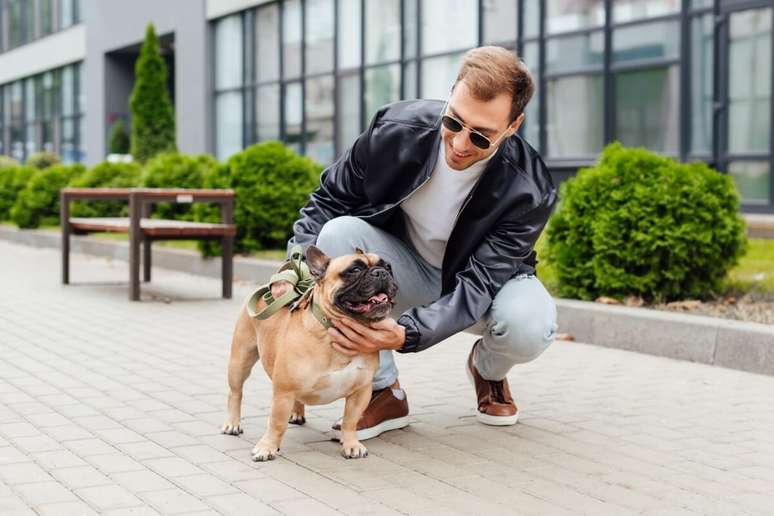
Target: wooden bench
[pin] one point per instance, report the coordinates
(143, 229)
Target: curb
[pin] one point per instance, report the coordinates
(708, 340)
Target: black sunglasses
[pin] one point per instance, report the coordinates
(476, 138)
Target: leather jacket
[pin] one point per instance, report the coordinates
(496, 229)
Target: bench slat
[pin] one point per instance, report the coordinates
(153, 227)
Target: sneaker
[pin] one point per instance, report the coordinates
(387, 410)
(495, 404)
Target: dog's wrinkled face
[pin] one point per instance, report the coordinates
(360, 285)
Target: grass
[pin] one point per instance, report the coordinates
(753, 274)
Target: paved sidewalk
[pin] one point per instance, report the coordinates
(112, 407)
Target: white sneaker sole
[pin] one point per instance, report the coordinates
(486, 418)
(375, 431)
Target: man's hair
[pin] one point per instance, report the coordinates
(490, 71)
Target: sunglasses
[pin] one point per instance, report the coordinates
(476, 138)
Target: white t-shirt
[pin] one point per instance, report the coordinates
(432, 210)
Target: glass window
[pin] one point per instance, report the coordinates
(500, 21)
(267, 42)
(531, 128)
(291, 38)
(438, 75)
(531, 18)
(81, 138)
(46, 16)
(701, 4)
(319, 119)
(67, 141)
(749, 57)
(410, 27)
(348, 126)
(66, 13)
(382, 31)
(659, 40)
(753, 180)
(267, 114)
(30, 116)
(228, 52)
(449, 25)
(319, 36)
(628, 10)
(410, 80)
(575, 52)
(16, 32)
(80, 80)
(294, 116)
(382, 86)
(228, 123)
(349, 33)
(701, 84)
(647, 108)
(564, 16)
(575, 111)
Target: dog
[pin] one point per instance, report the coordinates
(296, 352)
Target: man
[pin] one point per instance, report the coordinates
(454, 199)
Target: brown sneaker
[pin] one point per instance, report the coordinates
(387, 410)
(495, 404)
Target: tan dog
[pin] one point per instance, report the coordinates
(296, 351)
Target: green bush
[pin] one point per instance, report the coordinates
(38, 203)
(173, 170)
(13, 179)
(43, 160)
(271, 184)
(153, 117)
(641, 224)
(106, 175)
(119, 138)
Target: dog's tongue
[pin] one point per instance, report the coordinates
(379, 298)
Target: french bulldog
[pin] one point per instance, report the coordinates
(296, 352)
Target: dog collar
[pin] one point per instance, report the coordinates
(320, 316)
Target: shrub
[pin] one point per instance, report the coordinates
(271, 184)
(119, 138)
(106, 175)
(38, 203)
(173, 170)
(8, 162)
(43, 160)
(641, 224)
(153, 117)
(13, 179)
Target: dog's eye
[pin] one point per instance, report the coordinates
(356, 269)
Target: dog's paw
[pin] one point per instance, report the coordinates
(230, 428)
(296, 419)
(263, 453)
(354, 451)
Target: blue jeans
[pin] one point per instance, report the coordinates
(519, 326)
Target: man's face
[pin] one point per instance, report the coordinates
(490, 118)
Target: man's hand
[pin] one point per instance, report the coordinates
(352, 337)
(279, 287)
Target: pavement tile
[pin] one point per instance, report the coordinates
(108, 497)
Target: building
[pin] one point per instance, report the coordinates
(687, 78)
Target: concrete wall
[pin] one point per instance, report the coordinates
(59, 49)
(218, 8)
(116, 24)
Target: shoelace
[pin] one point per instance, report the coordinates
(496, 388)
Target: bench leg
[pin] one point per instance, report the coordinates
(135, 238)
(146, 259)
(227, 262)
(65, 253)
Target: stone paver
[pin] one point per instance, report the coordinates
(113, 407)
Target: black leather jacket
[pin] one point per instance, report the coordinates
(495, 232)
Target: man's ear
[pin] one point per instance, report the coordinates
(516, 124)
(317, 261)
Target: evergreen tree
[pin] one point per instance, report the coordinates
(153, 117)
(119, 139)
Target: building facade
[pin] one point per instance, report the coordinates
(690, 79)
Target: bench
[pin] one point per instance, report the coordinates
(144, 230)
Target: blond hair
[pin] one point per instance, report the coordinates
(490, 71)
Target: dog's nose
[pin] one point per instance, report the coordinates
(378, 272)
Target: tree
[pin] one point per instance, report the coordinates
(153, 117)
(119, 139)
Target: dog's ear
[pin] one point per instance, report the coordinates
(317, 261)
(359, 251)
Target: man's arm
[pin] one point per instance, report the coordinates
(340, 193)
(494, 263)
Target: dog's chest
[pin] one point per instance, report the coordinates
(340, 383)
